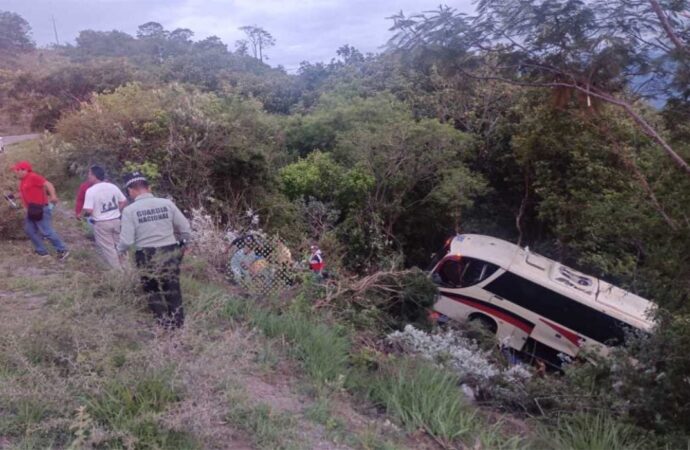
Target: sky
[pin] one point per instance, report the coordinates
(310, 30)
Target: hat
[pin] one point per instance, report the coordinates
(133, 177)
(22, 165)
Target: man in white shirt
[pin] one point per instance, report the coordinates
(104, 202)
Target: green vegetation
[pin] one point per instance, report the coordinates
(542, 134)
(421, 396)
(320, 347)
(268, 429)
(592, 431)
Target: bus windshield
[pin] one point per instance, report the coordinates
(457, 272)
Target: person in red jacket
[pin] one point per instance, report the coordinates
(316, 263)
(39, 198)
(81, 196)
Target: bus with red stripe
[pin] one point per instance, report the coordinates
(527, 299)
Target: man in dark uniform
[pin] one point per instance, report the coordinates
(150, 224)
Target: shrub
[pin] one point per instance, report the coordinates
(452, 350)
(393, 298)
(205, 148)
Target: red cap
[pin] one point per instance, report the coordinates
(22, 165)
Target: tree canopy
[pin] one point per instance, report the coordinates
(15, 34)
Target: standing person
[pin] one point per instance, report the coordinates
(81, 196)
(149, 224)
(103, 202)
(316, 263)
(39, 198)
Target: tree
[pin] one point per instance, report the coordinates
(259, 39)
(15, 34)
(242, 47)
(350, 54)
(92, 43)
(151, 30)
(602, 51)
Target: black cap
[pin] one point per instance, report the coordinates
(133, 177)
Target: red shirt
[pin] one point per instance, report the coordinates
(32, 189)
(81, 196)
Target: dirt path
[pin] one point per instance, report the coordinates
(9, 140)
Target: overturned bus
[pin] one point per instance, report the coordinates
(532, 303)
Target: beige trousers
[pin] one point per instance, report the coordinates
(107, 234)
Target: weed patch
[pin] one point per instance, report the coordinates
(583, 431)
(268, 429)
(132, 409)
(322, 349)
(424, 397)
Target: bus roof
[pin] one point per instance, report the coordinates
(597, 294)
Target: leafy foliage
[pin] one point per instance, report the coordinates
(15, 34)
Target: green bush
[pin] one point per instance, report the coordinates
(390, 301)
(207, 149)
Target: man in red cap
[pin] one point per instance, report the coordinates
(39, 198)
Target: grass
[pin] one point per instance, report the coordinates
(424, 397)
(591, 431)
(323, 350)
(267, 428)
(418, 394)
(131, 408)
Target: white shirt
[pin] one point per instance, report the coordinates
(103, 200)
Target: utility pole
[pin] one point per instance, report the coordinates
(57, 39)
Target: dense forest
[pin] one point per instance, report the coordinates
(546, 123)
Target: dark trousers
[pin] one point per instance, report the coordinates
(160, 278)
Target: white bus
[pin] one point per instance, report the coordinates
(524, 297)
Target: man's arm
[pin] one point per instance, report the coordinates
(50, 190)
(181, 224)
(127, 232)
(121, 200)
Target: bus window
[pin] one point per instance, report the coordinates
(559, 308)
(476, 271)
(448, 274)
(463, 273)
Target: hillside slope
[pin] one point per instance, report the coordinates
(82, 364)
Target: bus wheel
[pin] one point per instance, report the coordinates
(484, 322)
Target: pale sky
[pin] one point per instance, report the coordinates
(304, 29)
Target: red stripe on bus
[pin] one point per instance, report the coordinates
(493, 311)
(569, 335)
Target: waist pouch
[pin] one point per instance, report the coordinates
(34, 212)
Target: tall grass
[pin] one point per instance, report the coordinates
(583, 431)
(131, 408)
(424, 397)
(322, 349)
